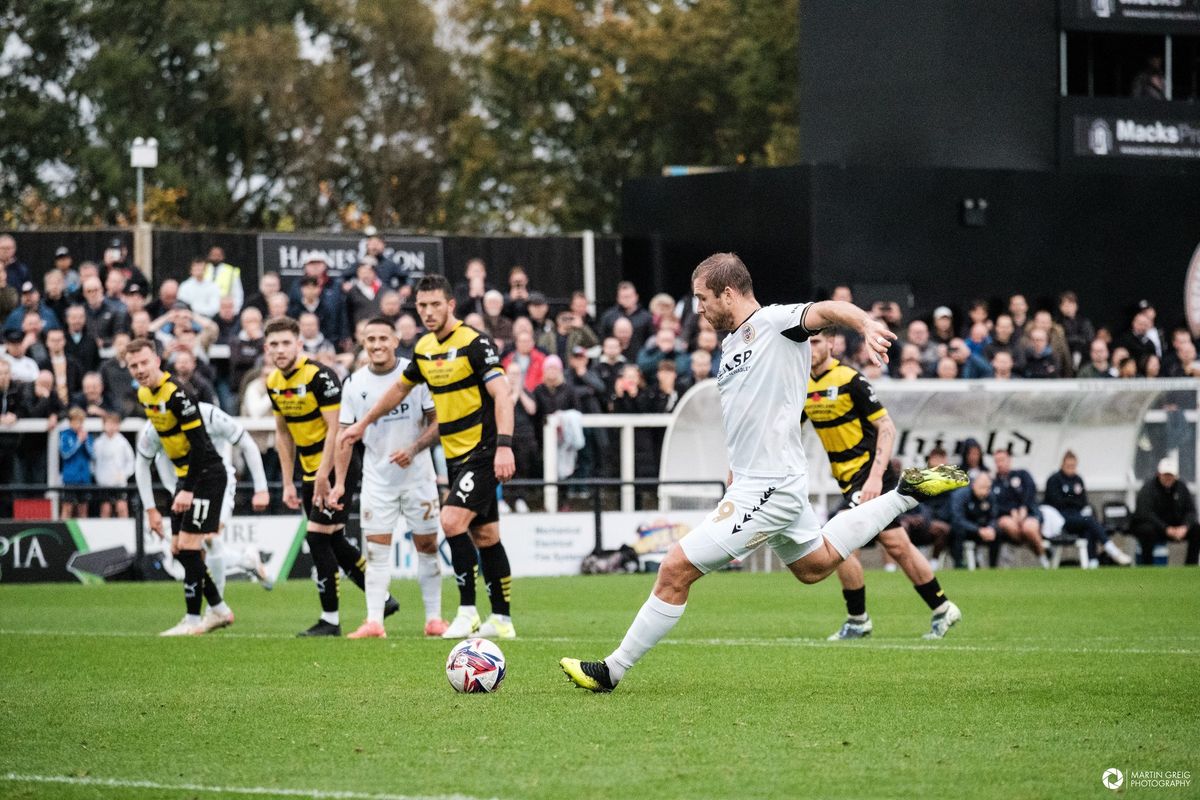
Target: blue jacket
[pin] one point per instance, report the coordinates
(976, 367)
(1016, 490)
(77, 456)
(17, 316)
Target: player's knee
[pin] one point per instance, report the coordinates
(454, 520)
(676, 573)
(426, 544)
(807, 575)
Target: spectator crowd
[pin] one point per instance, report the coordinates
(65, 335)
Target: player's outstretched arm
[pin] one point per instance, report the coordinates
(825, 313)
(390, 399)
(404, 458)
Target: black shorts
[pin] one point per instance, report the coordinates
(322, 516)
(850, 496)
(473, 486)
(208, 497)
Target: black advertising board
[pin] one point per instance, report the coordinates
(286, 253)
(1141, 16)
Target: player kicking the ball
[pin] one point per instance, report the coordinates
(475, 423)
(858, 434)
(173, 410)
(225, 432)
(398, 478)
(762, 381)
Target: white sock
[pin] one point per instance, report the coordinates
(215, 561)
(852, 529)
(429, 576)
(191, 619)
(654, 621)
(377, 580)
(222, 608)
(332, 617)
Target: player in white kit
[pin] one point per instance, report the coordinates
(225, 432)
(763, 380)
(398, 479)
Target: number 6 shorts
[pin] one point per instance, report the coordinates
(382, 506)
(754, 512)
(473, 485)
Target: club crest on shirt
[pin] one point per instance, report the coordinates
(831, 393)
(748, 333)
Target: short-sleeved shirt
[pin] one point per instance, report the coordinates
(762, 380)
(174, 412)
(222, 429)
(842, 406)
(300, 395)
(394, 431)
(457, 369)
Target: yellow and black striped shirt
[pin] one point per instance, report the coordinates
(299, 396)
(456, 369)
(174, 411)
(842, 406)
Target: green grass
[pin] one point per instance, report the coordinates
(1051, 678)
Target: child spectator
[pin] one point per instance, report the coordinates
(76, 454)
(114, 465)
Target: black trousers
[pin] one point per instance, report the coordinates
(1149, 533)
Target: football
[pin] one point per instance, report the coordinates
(475, 665)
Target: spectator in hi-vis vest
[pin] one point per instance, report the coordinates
(227, 277)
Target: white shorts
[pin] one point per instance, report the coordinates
(382, 506)
(754, 512)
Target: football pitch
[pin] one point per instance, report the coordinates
(1051, 679)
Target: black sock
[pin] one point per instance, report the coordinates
(349, 558)
(931, 593)
(464, 561)
(856, 601)
(193, 579)
(497, 577)
(321, 549)
(210, 590)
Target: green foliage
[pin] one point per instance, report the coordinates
(573, 97)
(513, 115)
(1051, 678)
(294, 107)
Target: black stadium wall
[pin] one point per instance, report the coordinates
(962, 83)
(554, 263)
(897, 231)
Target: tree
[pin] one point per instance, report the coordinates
(574, 96)
(294, 108)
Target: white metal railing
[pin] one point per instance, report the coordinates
(627, 423)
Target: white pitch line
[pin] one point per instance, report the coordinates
(874, 644)
(268, 791)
